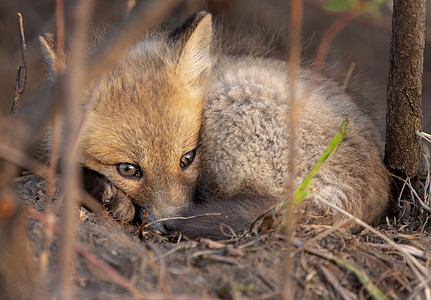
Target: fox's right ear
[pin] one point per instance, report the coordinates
(49, 51)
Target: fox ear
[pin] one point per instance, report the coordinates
(194, 38)
(49, 50)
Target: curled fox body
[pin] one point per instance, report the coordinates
(176, 131)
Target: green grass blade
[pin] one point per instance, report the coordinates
(303, 190)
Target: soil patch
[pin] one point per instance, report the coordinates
(113, 262)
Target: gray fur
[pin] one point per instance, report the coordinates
(244, 141)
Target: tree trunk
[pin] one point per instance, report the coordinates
(404, 115)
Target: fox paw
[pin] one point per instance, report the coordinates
(118, 204)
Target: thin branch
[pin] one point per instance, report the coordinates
(75, 84)
(419, 269)
(128, 7)
(21, 75)
(328, 38)
(60, 35)
(181, 218)
(288, 227)
(345, 294)
(325, 233)
(19, 158)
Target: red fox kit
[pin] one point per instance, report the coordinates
(176, 130)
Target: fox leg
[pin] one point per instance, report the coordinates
(115, 201)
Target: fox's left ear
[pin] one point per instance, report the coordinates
(49, 48)
(194, 38)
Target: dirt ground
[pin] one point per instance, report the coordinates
(115, 261)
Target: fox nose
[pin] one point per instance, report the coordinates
(145, 214)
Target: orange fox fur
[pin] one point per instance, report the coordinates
(176, 130)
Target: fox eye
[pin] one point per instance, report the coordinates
(129, 171)
(187, 159)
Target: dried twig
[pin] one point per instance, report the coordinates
(181, 218)
(21, 75)
(327, 39)
(128, 7)
(325, 233)
(410, 249)
(360, 275)
(60, 35)
(19, 158)
(189, 244)
(346, 294)
(75, 84)
(55, 142)
(348, 75)
(418, 268)
(160, 270)
(414, 194)
(293, 118)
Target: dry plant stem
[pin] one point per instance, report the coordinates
(288, 228)
(419, 269)
(414, 194)
(160, 270)
(128, 7)
(184, 245)
(345, 294)
(325, 233)
(19, 158)
(21, 75)
(404, 99)
(348, 75)
(181, 218)
(414, 251)
(326, 42)
(55, 145)
(60, 30)
(50, 185)
(295, 107)
(110, 272)
(81, 15)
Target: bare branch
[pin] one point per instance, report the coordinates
(60, 34)
(21, 75)
(327, 39)
(181, 218)
(293, 117)
(75, 84)
(419, 269)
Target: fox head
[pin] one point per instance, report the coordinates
(142, 130)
